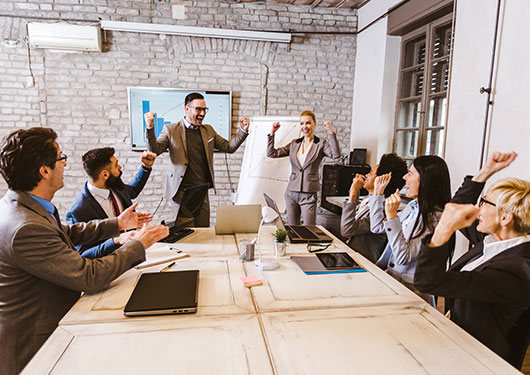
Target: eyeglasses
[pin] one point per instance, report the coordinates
(62, 157)
(315, 247)
(484, 200)
(199, 109)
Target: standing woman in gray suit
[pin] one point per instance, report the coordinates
(305, 154)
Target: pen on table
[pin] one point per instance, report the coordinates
(167, 267)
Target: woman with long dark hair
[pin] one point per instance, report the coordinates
(429, 188)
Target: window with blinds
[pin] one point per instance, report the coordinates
(422, 96)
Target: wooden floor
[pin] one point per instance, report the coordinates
(526, 363)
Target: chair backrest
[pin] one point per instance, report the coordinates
(519, 337)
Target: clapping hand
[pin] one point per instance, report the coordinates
(148, 236)
(129, 219)
(392, 205)
(381, 182)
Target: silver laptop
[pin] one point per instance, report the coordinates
(242, 218)
(161, 293)
(298, 233)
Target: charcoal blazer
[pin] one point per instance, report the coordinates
(42, 274)
(305, 178)
(490, 302)
(173, 138)
(85, 208)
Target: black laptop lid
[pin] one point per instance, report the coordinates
(164, 293)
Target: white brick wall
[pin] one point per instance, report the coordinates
(83, 95)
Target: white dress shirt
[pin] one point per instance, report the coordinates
(493, 248)
(302, 154)
(102, 196)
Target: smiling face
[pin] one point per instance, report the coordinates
(370, 178)
(488, 220)
(57, 173)
(412, 181)
(307, 126)
(195, 111)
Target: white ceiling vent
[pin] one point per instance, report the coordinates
(64, 36)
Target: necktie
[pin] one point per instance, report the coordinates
(114, 203)
(56, 216)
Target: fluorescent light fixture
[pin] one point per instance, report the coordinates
(206, 32)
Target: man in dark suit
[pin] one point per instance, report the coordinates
(487, 289)
(41, 273)
(106, 195)
(191, 144)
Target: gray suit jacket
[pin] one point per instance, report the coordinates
(41, 273)
(305, 177)
(173, 138)
(361, 239)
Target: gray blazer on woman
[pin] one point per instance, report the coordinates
(41, 273)
(305, 177)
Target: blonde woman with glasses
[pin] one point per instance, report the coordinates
(487, 289)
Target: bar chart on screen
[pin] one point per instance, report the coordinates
(168, 105)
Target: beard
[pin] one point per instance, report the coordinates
(115, 182)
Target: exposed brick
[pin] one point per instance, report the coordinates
(84, 95)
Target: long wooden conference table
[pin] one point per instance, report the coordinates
(349, 323)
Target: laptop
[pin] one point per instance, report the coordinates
(190, 207)
(298, 233)
(243, 218)
(162, 293)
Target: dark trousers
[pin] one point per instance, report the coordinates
(201, 220)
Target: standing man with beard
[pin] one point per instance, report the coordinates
(191, 145)
(106, 195)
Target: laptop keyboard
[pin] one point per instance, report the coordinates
(303, 232)
(174, 236)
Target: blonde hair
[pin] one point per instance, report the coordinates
(514, 197)
(310, 114)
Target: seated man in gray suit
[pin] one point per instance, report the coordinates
(355, 219)
(41, 273)
(191, 144)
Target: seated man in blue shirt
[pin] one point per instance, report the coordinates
(106, 195)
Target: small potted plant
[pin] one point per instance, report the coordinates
(280, 247)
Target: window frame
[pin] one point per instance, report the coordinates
(428, 30)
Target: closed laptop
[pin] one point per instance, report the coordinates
(164, 293)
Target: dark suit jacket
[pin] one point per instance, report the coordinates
(489, 301)
(305, 177)
(173, 138)
(85, 208)
(41, 273)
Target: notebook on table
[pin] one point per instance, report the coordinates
(162, 293)
(297, 233)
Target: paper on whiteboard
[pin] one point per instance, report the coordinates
(260, 174)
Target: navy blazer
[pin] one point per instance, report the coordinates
(490, 302)
(85, 208)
